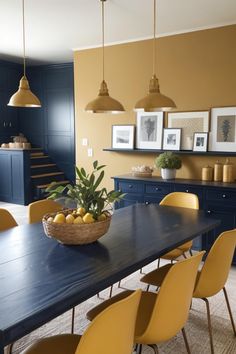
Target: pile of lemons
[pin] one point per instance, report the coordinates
(77, 216)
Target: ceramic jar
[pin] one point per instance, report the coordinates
(228, 171)
(218, 171)
(207, 173)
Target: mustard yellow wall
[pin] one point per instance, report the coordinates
(197, 70)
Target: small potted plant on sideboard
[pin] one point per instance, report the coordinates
(168, 162)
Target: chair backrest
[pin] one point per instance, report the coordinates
(112, 331)
(6, 220)
(181, 199)
(38, 209)
(171, 308)
(215, 270)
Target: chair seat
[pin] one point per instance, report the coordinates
(59, 344)
(172, 255)
(186, 246)
(157, 276)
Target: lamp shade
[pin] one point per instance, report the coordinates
(154, 101)
(24, 97)
(104, 103)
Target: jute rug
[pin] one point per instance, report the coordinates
(196, 327)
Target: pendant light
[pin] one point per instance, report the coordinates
(104, 103)
(154, 101)
(24, 97)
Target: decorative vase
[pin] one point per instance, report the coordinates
(168, 173)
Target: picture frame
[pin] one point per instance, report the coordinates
(149, 130)
(171, 139)
(200, 142)
(190, 122)
(223, 129)
(123, 136)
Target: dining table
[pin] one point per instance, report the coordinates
(41, 278)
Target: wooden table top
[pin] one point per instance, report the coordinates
(41, 279)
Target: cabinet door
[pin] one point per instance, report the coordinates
(227, 215)
(5, 177)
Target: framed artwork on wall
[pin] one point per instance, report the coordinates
(171, 139)
(189, 122)
(223, 129)
(123, 136)
(200, 141)
(149, 130)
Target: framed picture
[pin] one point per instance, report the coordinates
(223, 129)
(123, 136)
(189, 122)
(171, 139)
(200, 141)
(149, 130)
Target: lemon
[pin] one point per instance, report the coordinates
(78, 220)
(70, 219)
(102, 217)
(88, 218)
(59, 218)
(81, 211)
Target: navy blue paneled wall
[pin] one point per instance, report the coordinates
(9, 80)
(52, 126)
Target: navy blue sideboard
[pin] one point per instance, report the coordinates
(217, 199)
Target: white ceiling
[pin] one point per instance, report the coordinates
(55, 27)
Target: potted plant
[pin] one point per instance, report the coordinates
(168, 162)
(92, 212)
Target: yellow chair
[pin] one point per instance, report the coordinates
(180, 200)
(110, 332)
(162, 315)
(38, 209)
(6, 220)
(211, 278)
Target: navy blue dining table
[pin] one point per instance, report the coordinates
(41, 278)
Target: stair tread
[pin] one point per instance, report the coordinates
(48, 174)
(48, 184)
(43, 165)
(36, 154)
(39, 157)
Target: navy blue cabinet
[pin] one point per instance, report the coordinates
(9, 81)
(216, 198)
(15, 176)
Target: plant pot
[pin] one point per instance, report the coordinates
(168, 173)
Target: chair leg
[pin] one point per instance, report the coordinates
(139, 349)
(186, 341)
(73, 320)
(209, 324)
(119, 284)
(154, 347)
(191, 253)
(229, 309)
(185, 255)
(158, 262)
(110, 294)
(141, 271)
(8, 349)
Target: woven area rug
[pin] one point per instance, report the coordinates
(196, 327)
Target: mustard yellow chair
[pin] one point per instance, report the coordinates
(180, 200)
(162, 315)
(110, 332)
(211, 278)
(6, 220)
(38, 209)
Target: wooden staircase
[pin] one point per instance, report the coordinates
(43, 172)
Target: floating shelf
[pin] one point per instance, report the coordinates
(183, 152)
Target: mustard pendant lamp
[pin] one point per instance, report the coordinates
(104, 103)
(24, 97)
(155, 101)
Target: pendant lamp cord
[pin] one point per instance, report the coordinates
(103, 60)
(23, 17)
(154, 37)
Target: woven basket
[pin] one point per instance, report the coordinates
(75, 234)
(141, 174)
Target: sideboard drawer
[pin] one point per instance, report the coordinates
(190, 189)
(157, 189)
(221, 195)
(130, 187)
